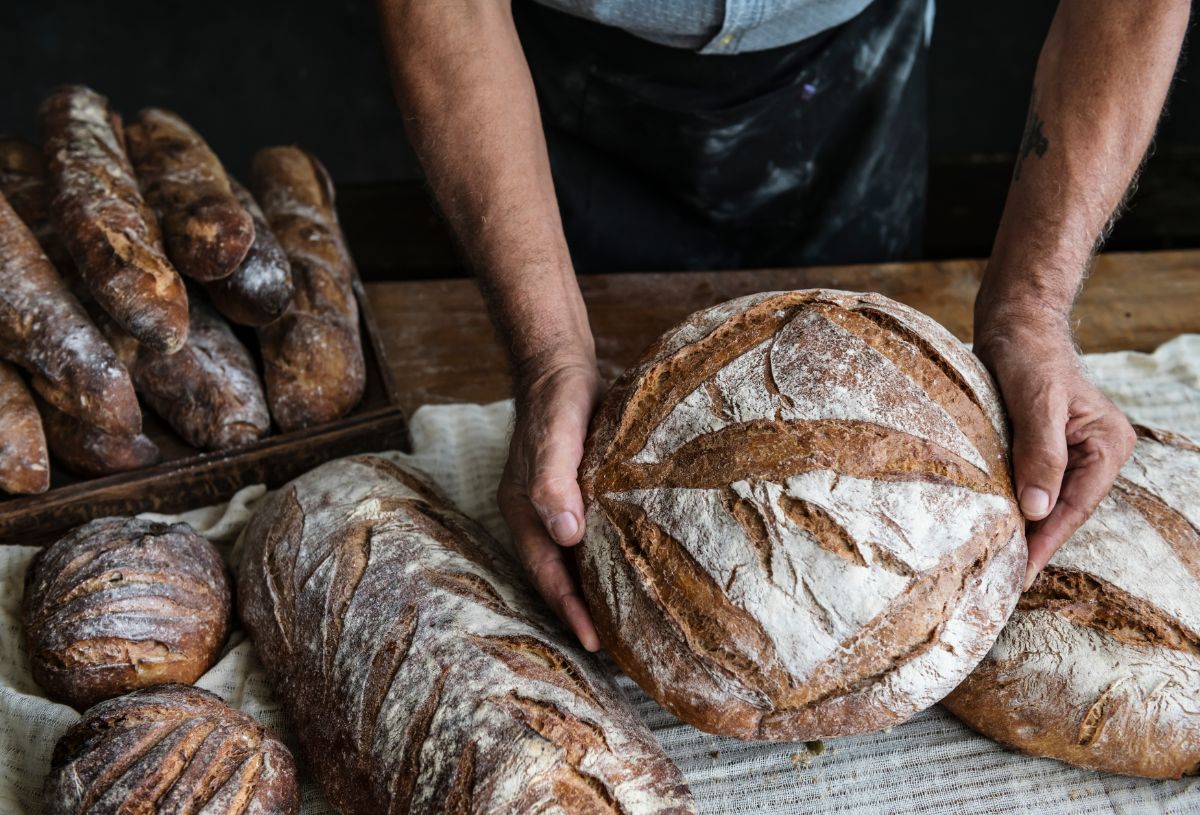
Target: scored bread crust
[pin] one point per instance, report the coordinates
(800, 520)
(123, 603)
(1100, 664)
(170, 748)
(419, 674)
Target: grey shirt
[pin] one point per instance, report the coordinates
(716, 26)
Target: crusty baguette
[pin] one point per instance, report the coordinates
(170, 749)
(208, 391)
(206, 230)
(24, 465)
(45, 331)
(312, 355)
(112, 235)
(123, 603)
(86, 450)
(259, 291)
(800, 522)
(23, 183)
(420, 675)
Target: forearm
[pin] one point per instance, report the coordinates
(471, 113)
(1100, 85)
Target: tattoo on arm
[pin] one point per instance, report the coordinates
(1034, 141)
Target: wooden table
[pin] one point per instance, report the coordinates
(442, 348)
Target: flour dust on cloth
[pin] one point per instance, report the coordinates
(932, 764)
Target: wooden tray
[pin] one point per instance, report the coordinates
(187, 478)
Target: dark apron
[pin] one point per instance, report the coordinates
(814, 153)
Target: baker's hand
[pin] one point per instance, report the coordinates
(539, 492)
(1069, 441)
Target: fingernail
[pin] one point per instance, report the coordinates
(1035, 502)
(563, 526)
(1031, 574)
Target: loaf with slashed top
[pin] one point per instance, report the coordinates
(419, 673)
(123, 603)
(1100, 664)
(170, 749)
(86, 450)
(800, 521)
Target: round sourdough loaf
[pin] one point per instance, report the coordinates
(800, 521)
(1100, 664)
(123, 603)
(171, 748)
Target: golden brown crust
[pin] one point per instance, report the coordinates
(123, 603)
(170, 748)
(112, 235)
(208, 391)
(86, 450)
(24, 465)
(312, 355)
(44, 330)
(206, 230)
(259, 291)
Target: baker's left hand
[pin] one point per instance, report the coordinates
(1069, 440)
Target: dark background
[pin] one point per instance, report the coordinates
(249, 74)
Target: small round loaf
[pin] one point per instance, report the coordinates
(800, 521)
(1100, 664)
(123, 603)
(171, 748)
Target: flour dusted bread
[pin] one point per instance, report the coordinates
(86, 450)
(24, 463)
(112, 235)
(123, 603)
(419, 673)
(260, 289)
(170, 749)
(23, 183)
(1100, 664)
(799, 516)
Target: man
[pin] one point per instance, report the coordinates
(723, 133)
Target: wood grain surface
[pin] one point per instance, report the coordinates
(441, 346)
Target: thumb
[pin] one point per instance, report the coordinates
(553, 476)
(1039, 458)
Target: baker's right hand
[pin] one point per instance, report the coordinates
(539, 492)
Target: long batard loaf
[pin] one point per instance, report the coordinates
(86, 450)
(112, 235)
(23, 183)
(123, 603)
(260, 290)
(170, 749)
(45, 331)
(206, 229)
(24, 464)
(312, 355)
(1100, 664)
(419, 674)
(208, 391)
(799, 520)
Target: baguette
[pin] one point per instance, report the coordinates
(86, 450)
(420, 676)
(208, 391)
(206, 230)
(111, 233)
(312, 355)
(23, 183)
(24, 466)
(259, 291)
(44, 330)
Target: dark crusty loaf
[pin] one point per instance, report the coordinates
(113, 236)
(312, 355)
(24, 464)
(208, 391)
(260, 290)
(45, 331)
(1100, 664)
(23, 183)
(170, 749)
(123, 603)
(206, 230)
(419, 675)
(799, 516)
(86, 450)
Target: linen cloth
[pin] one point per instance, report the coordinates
(929, 765)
